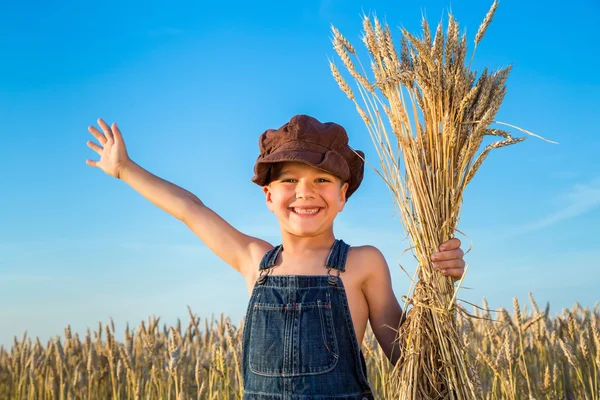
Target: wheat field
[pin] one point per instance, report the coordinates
(518, 354)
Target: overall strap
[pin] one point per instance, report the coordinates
(270, 258)
(338, 255)
(267, 262)
(337, 260)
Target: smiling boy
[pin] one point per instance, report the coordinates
(312, 295)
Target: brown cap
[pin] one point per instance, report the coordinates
(321, 145)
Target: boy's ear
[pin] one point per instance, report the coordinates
(269, 201)
(343, 191)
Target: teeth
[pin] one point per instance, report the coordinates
(306, 211)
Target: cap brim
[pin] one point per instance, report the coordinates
(302, 156)
(313, 159)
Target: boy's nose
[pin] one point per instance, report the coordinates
(304, 191)
(305, 195)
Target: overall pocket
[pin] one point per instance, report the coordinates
(293, 339)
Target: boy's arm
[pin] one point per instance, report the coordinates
(235, 248)
(384, 308)
(163, 194)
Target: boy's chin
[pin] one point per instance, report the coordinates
(305, 231)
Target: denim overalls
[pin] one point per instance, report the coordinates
(298, 340)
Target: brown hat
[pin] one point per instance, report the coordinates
(321, 145)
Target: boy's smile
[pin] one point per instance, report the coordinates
(304, 199)
(305, 212)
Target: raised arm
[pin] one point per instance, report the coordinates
(235, 248)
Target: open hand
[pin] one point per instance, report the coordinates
(449, 260)
(113, 156)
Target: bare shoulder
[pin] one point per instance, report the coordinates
(366, 254)
(369, 260)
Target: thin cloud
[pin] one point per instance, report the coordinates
(581, 199)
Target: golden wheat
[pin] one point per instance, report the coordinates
(526, 355)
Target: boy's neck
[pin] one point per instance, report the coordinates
(301, 245)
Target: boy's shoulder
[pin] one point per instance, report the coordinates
(368, 259)
(366, 252)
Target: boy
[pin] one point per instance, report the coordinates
(303, 327)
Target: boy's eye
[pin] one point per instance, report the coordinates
(295, 180)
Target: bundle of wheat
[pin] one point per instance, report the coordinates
(439, 114)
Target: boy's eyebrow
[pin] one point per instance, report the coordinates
(288, 170)
(285, 172)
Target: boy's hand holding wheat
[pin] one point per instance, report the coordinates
(449, 260)
(113, 154)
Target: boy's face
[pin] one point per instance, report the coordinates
(304, 199)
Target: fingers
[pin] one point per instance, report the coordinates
(110, 133)
(97, 134)
(95, 147)
(103, 138)
(451, 244)
(449, 260)
(116, 132)
(447, 255)
(451, 264)
(106, 129)
(455, 273)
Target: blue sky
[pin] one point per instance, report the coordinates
(193, 85)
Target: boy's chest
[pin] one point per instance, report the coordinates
(353, 279)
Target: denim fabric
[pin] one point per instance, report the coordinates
(298, 340)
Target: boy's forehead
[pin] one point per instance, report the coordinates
(291, 166)
(288, 166)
